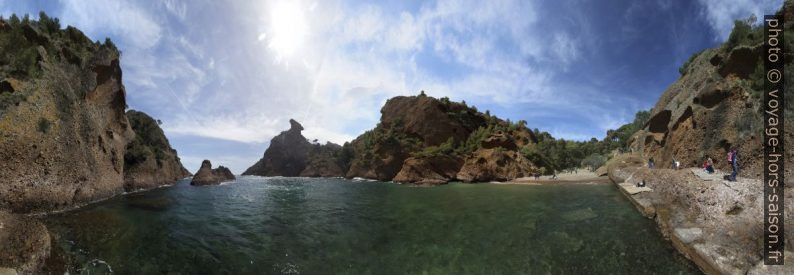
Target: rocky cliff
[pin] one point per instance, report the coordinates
(716, 106)
(424, 140)
(62, 123)
(208, 176)
(291, 155)
(64, 133)
(420, 139)
(149, 160)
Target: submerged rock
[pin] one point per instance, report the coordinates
(208, 176)
(579, 215)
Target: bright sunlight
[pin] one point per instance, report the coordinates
(288, 28)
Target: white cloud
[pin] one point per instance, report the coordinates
(131, 23)
(722, 13)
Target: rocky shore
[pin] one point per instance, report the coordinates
(65, 138)
(713, 222)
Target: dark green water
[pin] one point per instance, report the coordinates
(326, 226)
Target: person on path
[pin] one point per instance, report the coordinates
(733, 160)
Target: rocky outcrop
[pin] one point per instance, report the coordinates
(714, 223)
(149, 160)
(291, 155)
(63, 130)
(421, 139)
(432, 170)
(712, 108)
(495, 164)
(324, 161)
(286, 156)
(208, 176)
(25, 244)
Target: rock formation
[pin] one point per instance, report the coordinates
(419, 139)
(286, 155)
(323, 161)
(149, 160)
(713, 107)
(424, 140)
(208, 176)
(291, 155)
(431, 170)
(495, 164)
(63, 130)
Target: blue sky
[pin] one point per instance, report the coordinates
(226, 76)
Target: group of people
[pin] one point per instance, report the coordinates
(708, 164)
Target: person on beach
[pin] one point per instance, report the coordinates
(733, 160)
(708, 165)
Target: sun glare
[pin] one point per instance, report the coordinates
(288, 28)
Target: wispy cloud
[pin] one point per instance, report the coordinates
(722, 13)
(237, 71)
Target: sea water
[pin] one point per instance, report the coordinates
(258, 225)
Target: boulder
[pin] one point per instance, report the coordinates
(25, 244)
(499, 139)
(496, 164)
(208, 176)
(431, 170)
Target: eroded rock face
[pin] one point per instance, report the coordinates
(707, 112)
(412, 124)
(495, 164)
(432, 170)
(208, 176)
(149, 160)
(25, 244)
(408, 124)
(62, 143)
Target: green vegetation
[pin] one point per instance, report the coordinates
(593, 161)
(744, 34)
(560, 155)
(446, 148)
(44, 125)
(684, 68)
(149, 140)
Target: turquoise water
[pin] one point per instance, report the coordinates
(261, 225)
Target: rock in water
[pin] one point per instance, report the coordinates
(291, 155)
(208, 176)
(149, 160)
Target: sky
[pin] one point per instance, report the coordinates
(225, 77)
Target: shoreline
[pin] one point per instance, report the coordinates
(709, 221)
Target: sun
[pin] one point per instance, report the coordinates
(288, 28)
